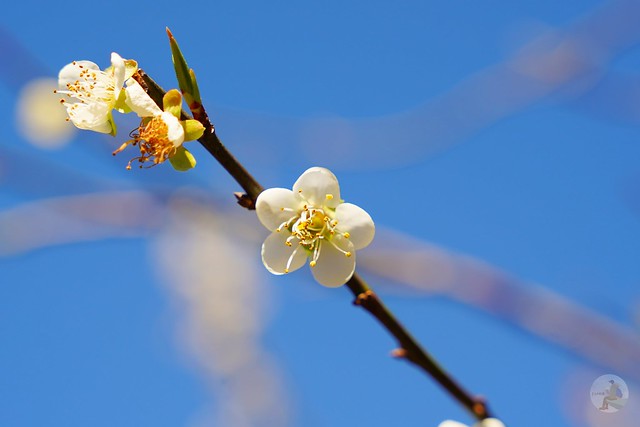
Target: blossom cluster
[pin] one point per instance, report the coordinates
(90, 95)
(310, 222)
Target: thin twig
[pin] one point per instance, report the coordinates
(411, 350)
(212, 143)
(364, 297)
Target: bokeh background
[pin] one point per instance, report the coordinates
(495, 144)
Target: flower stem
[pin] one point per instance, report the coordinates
(409, 348)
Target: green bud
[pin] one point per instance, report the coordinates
(193, 129)
(180, 65)
(196, 89)
(183, 160)
(172, 103)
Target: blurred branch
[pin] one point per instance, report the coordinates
(73, 219)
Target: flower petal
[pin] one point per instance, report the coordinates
(118, 72)
(357, 222)
(449, 423)
(93, 116)
(139, 101)
(280, 258)
(333, 267)
(70, 73)
(275, 206)
(175, 131)
(319, 187)
(489, 422)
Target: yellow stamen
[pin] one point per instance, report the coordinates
(153, 141)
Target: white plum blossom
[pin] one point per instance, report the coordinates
(142, 104)
(312, 222)
(161, 134)
(92, 94)
(488, 422)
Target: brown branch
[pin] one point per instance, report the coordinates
(411, 350)
(213, 145)
(365, 297)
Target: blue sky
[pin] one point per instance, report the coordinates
(500, 132)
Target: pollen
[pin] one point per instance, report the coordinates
(329, 196)
(90, 86)
(153, 141)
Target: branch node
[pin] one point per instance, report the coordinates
(480, 408)
(245, 201)
(399, 353)
(364, 296)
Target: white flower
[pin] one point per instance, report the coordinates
(488, 422)
(161, 134)
(139, 100)
(312, 222)
(161, 129)
(92, 94)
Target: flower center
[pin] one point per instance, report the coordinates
(153, 141)
(311, 228)
(312, 224)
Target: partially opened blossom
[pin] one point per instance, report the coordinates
(312, 223)
(92, 94)
(161, 133)
(488, 422)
